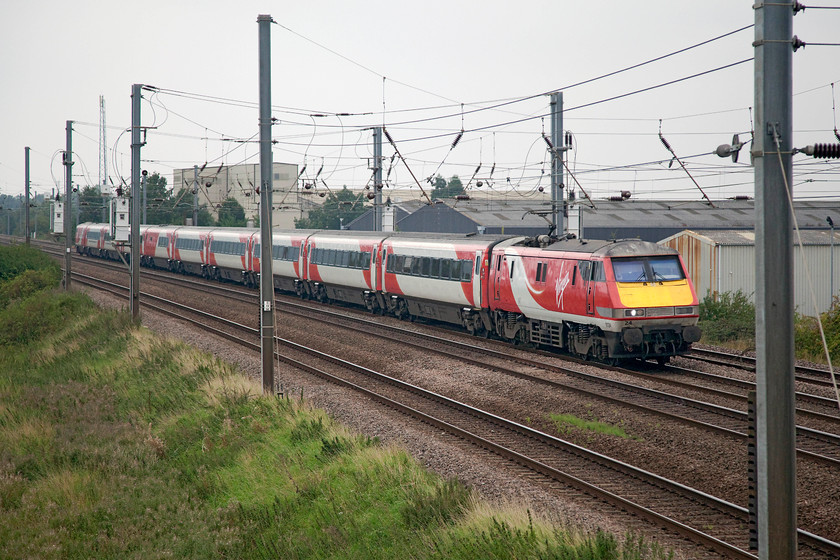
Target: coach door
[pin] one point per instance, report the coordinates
(376, 268)
(477, 280)
(496, 266)
(585, 268)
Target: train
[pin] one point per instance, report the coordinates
(605, 300)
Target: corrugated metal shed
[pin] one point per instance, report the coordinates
(724, 261)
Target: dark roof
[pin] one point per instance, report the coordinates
(513, 217)
(612, 248)
(649, 220)
(727, 214)
(401, 210)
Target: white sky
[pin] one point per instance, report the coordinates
(58, 57)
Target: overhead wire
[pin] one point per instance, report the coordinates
(494, 127)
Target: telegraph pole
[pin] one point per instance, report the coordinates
(195, 195)
(134, 211)
(377, 178)
(26, 179)
(266, 185)
(776, 431)
(68, 189)
(558, 209)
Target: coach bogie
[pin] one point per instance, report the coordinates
(476, 321)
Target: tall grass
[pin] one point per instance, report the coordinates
(730, 321)
(809, 344)
(117, 444)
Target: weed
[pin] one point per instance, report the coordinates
(563, 422)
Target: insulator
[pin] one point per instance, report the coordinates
(457, 139)
(616, 199)
(462, 197)
(371, 196)
(388, 136)
(824, 151)
(665, 143)
(541, 188)
(548, 142)
(625, 194)
(568, 139)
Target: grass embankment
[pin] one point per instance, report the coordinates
(117, 444)
(730, 321)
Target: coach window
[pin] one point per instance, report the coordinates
(584, 267)
(598, 272)
(466, 270)
(477, 265)
(424, 266)
(539, 272)
(499, 262)
(456, 269)
(445, 268)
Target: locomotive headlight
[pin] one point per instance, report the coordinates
(628, 313)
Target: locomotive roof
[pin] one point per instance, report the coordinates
(612, 248)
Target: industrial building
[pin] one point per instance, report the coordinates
(217, 183)
(721, 261)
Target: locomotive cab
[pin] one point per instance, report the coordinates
(656, 305)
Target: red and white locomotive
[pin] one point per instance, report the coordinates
(606, 300)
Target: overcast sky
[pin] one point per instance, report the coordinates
(58, 57)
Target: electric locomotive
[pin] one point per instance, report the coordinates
(607, 300)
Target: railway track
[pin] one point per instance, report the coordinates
(709, 522)
(819, 445)
(806, 374)
(816, 548)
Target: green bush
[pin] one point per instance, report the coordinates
(729, 318)
(34, 317)
(16, 259)
(809, 343)
(27, 283)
